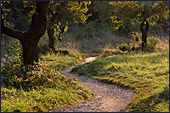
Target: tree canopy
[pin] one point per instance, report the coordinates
(147, 13)
(139, 11)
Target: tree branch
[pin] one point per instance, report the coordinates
(8, 31)
(38, 25)
(12, 33)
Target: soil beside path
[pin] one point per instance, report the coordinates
(108, 97)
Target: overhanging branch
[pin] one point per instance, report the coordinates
(12, 33)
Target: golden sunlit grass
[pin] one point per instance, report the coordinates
(146, 72)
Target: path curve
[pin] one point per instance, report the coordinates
(108, 97)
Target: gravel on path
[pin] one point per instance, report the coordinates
(108, 97)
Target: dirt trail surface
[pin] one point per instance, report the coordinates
(108, 98)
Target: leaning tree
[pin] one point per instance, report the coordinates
(29, 39)
(145, 12)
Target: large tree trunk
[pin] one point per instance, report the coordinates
(51, 38)
(30, 38)
(144, 33)
(30, 53)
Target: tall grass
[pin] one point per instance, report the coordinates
(94, 45)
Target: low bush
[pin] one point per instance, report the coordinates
(136, 45)
(152, 42)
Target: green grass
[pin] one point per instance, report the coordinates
(42, 89)
(44, 99)
(61, 61)
(146, 72)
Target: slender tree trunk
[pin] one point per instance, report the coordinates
(144, 39)
(51, 38)
(144, 33)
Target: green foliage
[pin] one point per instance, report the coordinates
(11, 63)
(16, 75)
(132, 46)
(152, 42)
(14, 16)
(65, 11)
(139, 11)
(29, 77)
(123, 46)
(147, 73)
(137, 36)
(101, 12)
(61, 13)
(15, 50)
(6, 43)
(128, 14)
(43, 47)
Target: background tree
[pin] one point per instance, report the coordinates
(29, 39)
(100, 12)
(63, 13)
(147, 13)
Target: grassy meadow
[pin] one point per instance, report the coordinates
(144, 71)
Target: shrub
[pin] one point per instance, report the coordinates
(152, 42)
(15, 50)
(15, 74)
(28, 77)
(123, 46)
(136, 45)
(137, 36)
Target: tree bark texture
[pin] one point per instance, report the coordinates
(30, 38)
(30, 53)
(144, 29)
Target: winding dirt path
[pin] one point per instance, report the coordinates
(108, 98)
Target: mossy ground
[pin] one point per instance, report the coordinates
(146, 72)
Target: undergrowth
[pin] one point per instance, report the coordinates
(41, 87)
